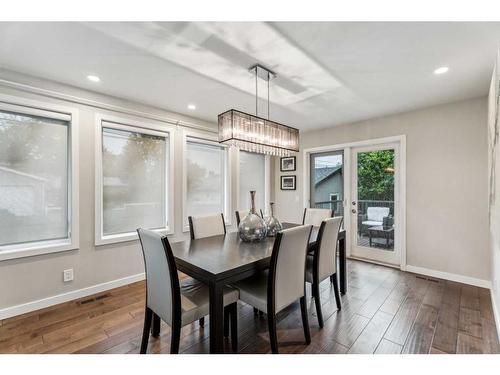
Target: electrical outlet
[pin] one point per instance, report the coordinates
(68, 275)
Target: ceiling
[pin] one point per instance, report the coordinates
(328, 73)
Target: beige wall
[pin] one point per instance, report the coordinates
(446, 191)
(28, 279)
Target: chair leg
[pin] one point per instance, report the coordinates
(155, 329)
(175, 338)
(305, 322)
(234, 326)
(148, 315)
(317, 302)
(336, 290)
(273, 337)
(226, 321)
(202, 322)
(255, 311)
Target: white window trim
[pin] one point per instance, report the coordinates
(334, 194)
(210, 139)
(267, 182)
(34, 107)
(126, 124)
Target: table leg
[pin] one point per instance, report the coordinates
(342, 266)
(216, 318)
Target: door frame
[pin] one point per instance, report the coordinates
(347, 147)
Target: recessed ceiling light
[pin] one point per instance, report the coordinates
(441, 70)
(93, 78)
(192, 107)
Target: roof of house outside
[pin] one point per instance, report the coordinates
(322, 174)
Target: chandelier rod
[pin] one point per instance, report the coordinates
(256, 94)
(268, 79)
(268, 76)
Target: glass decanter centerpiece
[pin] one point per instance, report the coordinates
(252, 228)
(273, 225)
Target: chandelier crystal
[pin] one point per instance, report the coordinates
(256, 134)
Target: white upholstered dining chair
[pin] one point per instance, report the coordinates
(202, 226)
(315, 216)
(176, 303)
(206, 225)
(322, 264)
(283, 283)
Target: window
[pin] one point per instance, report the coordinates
(334, 196)
(134, 181)
(206, 178)
(253, 171)
(36, 206)
(327, 181)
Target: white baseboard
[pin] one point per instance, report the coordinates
(496, 312)
(450, 276)
(69, 296)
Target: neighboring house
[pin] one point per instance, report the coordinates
(328, 184)
(21, 194)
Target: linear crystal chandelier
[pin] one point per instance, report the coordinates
(256, 134)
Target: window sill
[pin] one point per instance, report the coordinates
(36, 248)
(127, 237)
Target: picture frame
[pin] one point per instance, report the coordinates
(289, 182)
(288, 164)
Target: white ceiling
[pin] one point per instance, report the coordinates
(329, 73)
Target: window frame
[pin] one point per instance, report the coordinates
(49, 110)
(267, 182)
(209, 139)
(112, 122)
(334, 194)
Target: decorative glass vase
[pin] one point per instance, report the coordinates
(273, 225)
(252, 228)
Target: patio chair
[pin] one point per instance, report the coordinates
(374, 216)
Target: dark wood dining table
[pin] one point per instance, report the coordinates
(225, 259)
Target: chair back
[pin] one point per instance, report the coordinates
(207, 226)
(162, 281)
(315, 216)
(377, 213)
(325, 256)
(286, 282)
(240, 215)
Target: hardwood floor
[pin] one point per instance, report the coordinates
(384, 311)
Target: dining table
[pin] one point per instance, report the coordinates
(224, 259)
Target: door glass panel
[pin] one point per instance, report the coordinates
(375, 200)
(327, 181)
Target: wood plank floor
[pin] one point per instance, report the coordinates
(384, 311)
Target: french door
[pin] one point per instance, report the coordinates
(374, 203)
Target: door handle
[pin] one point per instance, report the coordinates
(353, 211)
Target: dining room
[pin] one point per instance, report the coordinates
(244, 188)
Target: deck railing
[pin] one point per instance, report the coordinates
(338, 207)
(335, 205)
(364, 204)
